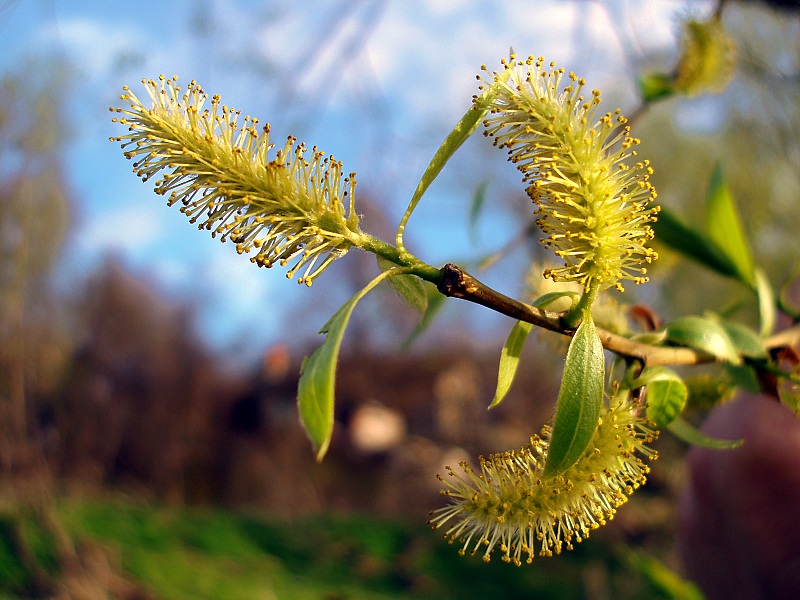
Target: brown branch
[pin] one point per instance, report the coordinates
(456, 283)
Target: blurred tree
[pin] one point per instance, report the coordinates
(34, 217)
(141, 377)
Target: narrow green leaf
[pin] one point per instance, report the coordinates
(746, 341)
(766, 303)
(410, 287)
(478, 200)
(725, 227)
(579, 399)
(463, 129)
(670, 583)
(315, 391)
(656, 86)
(435, 303)
(650, 337)
(703, 334)
(509, 360)
(691, 435)
(693, 244)
(547, 299)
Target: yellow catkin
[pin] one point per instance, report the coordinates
(593, 207)
(510, 507)
(707, 58)
(282, 208)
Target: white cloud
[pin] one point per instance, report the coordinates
(129, 229)
(93, 44)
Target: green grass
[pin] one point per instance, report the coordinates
(182, 553)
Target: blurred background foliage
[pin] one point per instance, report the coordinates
(135, 463)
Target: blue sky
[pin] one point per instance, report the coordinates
(376, 83)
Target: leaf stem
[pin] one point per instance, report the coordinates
(398, 256)
(577, 312)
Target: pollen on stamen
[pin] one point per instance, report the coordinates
(219, 171)
(512, 508)
(572, 176)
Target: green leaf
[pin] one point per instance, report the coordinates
(746, 341)
(463, 129)
(691, 435)
(650, 337)
(656, 86)
(741, 376)
(579, 399)
(315, 391)
(410, 287)
(789, 391)
(703, 334)
(509, 360)
(693, 244)
(766, 303)
(670, 583)
(666, 395)
(435, 303)
(478, 200)
(725, 228)
(547, 299)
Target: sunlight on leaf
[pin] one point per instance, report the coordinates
(509, 360)
(691, 435)
(725, 227)
(692, 244)
(703, 334)
(315, 391)
(579, 399)
(766, 303)
(409, 287)
(666, 394)
(463, 129)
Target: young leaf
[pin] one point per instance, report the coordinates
(741, 376)
(315, 391)
(670, 583)
(691, 435)
(550, 297)
(692, 244)
(789, 391)
(725, 228)
(579, 399)
(656, 86)
(746, 341)
(435, 302)
(766, 303)
(463, 129)
(704, 334)
(509, 357)
(666, 393)
(509, 360)
(478, 200)
(410, 287)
